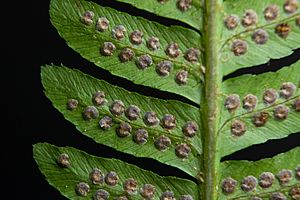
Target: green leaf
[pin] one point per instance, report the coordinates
(276, 47)
(256, 85)
(62, 84)
(81, 164)
(192, 16)
(86, 40)
(238, 170)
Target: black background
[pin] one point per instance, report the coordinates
(30, 41)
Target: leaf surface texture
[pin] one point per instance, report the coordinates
(273, 128)
(62, 84)
(275, 47)
(238, 170)
(66, 17)
(81, 165)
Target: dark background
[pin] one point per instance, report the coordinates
(29, 41)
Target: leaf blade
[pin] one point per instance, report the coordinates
(62, 84)
(240, 169)
(65, 179)
(273, 129)
(275, 48)
(65, 16)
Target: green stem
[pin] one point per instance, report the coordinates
(211, 109)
